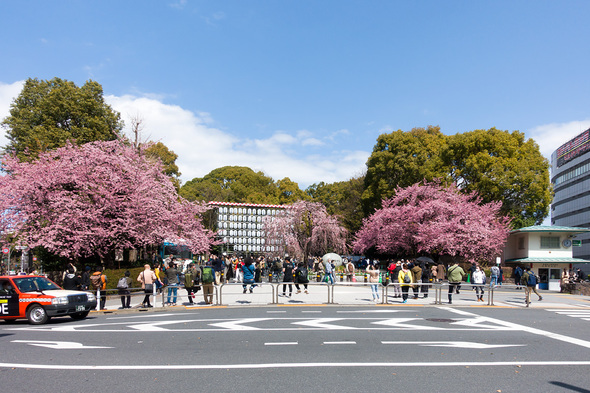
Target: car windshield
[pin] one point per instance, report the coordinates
(34, 284)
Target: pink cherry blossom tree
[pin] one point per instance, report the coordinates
(434, 219)
(305, 228)
(80, 201)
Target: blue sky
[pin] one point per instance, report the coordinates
(302, 88)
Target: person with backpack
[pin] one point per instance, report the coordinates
(189, 282)
(148, 279)
(301, 277)
(207, 278)
(405, 278)
(98, 282)
(455, 275)
(123, 286)
(277, 268)
(249, 274)
(517, 275)
(530, 279)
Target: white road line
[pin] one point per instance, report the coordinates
(149, 367)
(143, 316)
(284, 343)
(339, 342)
(452, 344)
(372, 311)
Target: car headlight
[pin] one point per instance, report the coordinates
(91, 297)
(60, 300)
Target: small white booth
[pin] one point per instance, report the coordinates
(546, 249)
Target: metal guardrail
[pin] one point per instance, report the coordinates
(437, 288)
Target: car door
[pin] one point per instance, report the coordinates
(8, 299)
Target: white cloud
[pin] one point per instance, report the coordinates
(550, 136)
(201, 147)
(8, 92)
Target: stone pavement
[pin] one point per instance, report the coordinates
(358, 294)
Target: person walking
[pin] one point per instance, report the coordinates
(405, 278)
(328, 272)
(440, 272)
(517, 275)
(123, 286)
(373, 273)
(529, 278)
(455, 275)
(147, 278)
(478, 279)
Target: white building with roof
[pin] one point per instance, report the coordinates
(546, 249)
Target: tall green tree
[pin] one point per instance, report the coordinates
(168, 158)
(289, 192)
(48, 113)
(342, 199)
(501, 166)
(400, 159)
(232, 184)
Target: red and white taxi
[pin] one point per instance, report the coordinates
(37, 299)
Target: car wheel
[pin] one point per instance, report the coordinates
(36, 315)
(79, 315)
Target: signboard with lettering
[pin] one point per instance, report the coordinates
(573, 148)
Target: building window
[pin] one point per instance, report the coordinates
(549, 242)
(521, 243)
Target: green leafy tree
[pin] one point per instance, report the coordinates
(48, 113)
(289, 192)
(232, 184)
(400, 159)
(501, 166)
(342, 199)
(168, 158)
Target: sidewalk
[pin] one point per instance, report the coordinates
(356, 294)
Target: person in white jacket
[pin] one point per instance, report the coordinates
(478, 278)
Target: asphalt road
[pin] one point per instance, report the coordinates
(304, 348)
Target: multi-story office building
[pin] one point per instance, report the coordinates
(570, 175)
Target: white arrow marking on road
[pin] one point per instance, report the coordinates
(58, 344)
(400, 323)
(323, 323)
(452, 344)
(481, 322)
(155, 326)
(237, 324)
